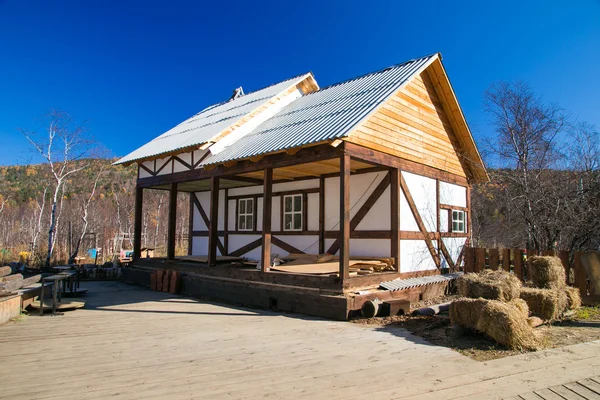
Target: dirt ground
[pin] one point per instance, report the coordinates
(584, 326)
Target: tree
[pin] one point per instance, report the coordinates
(63, 143)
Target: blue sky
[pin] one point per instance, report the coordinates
(133, 69)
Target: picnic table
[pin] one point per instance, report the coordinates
(56, 280)
(73, 278)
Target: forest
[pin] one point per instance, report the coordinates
(543, 193)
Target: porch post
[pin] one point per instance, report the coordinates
(395, 216)
(266, 224)
(321, 215)
(191, 225)
(213, 234)
(344, 216)
(171, 222)
(137, 226)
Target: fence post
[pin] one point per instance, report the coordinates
(469, 256)
(479, 259)
(580, 274)
(564, 259)
(506, 260)
(518, 262)
(494, 258)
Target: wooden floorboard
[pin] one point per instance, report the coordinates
(133, 343)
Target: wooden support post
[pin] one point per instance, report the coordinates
(265, 261)
(518, 262)
(469, 255)
(191, 224)
(172, 222)
(564, 259)
(506, 260)
(321, 215)
(213, 234)
(344, 216)
(395, 215)
(226, 223)
(494, 258)
(580, 274)
(479, 259)
(137, 225)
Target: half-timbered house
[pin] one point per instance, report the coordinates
(378, 166)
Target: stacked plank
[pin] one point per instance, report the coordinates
(10, 283)
(165, 281)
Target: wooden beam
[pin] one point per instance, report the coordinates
(225, 251)
(137, 225)
(266, 224)
(378, 158)
(172, 222)
(213, 237)
(344, 237)
(206, 220)
(419, 220)
(191, 224)
(244, 249)
(321, 215)
(286, 246)
(362, 212)
(395, 216)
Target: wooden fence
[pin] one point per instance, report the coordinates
(476, 259)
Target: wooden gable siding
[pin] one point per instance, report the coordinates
(412, 124)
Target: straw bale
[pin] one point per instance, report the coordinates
(493, 285)
(573, 298)
(546, 272)
(466, 312)
(506, 324)
(548, 304)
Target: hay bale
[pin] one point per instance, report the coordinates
(546, 272)
(466, 311)
(548, 304)
(506, 324)
(521, 306)
(492, 285)
(573, 298)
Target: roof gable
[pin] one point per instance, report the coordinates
(216, 121)
(327, 114)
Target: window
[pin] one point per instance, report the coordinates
(458, 221)
(292, 212)
(245, 215)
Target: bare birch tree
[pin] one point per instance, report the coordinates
(62, 144)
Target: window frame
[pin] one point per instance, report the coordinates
(248, 212)
(293, 213)
(458, 221)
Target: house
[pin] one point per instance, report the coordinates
(375, 167)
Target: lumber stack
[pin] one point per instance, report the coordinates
(10, 283)
(165, 281)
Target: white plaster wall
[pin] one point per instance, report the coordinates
(259, 216)
(407, 219)
(187, 157)
(423, 193)
(237, 241)
(198, 154)
(168, 169)
(369, 247)
(454, 195)
(200, 246)
(361, 187)
(312, 223)
(454, 246)
(275, 213)
(179, 167)
(231, 215)
(379, 216)
(143, 173)
(444, 216)
(415, 256)
(305, 243)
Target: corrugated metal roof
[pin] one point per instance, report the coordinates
(209, 122)
(327, 114)
(403, 284)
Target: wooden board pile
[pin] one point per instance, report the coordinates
(165, 281)
(9, 283)
(99, 272)
(328, 264)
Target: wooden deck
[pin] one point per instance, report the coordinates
(132, 343)
(585, 389)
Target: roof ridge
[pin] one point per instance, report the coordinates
(375, 72)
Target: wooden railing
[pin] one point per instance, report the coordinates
(476, 259)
